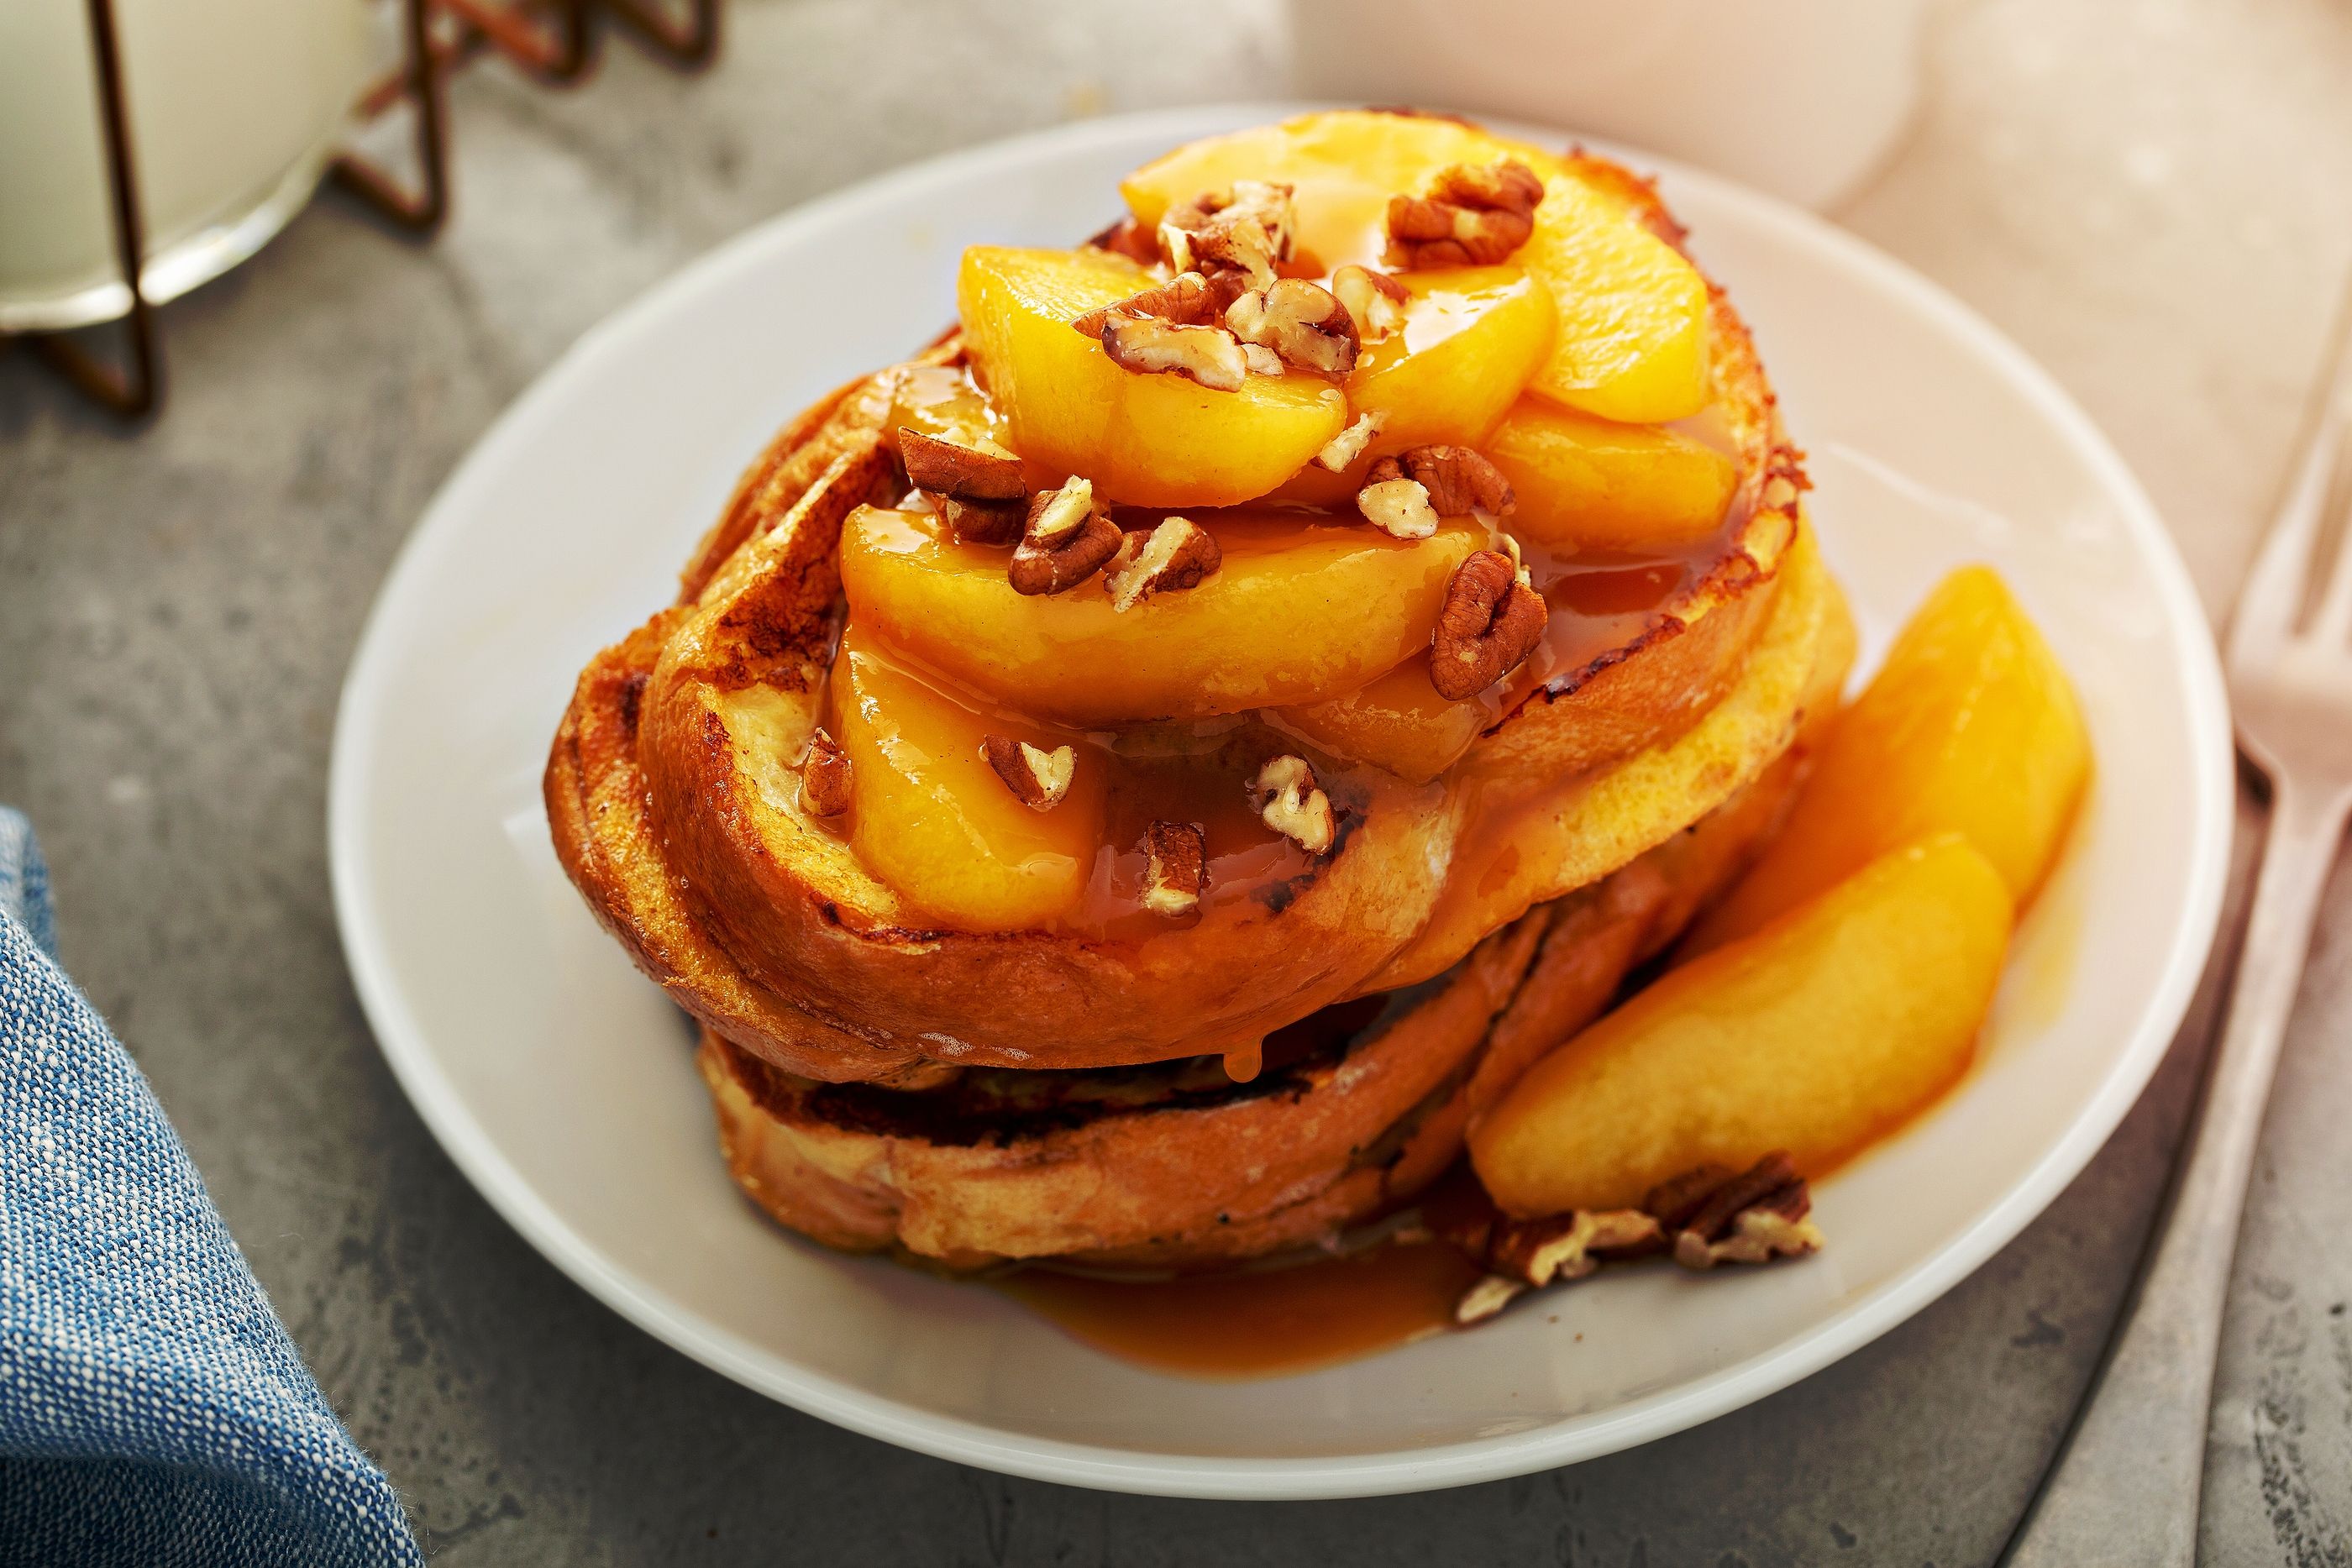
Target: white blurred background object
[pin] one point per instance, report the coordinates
(1800, 98)
(235, 109)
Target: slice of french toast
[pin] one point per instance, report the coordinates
(674, 787)
(1173, 1166)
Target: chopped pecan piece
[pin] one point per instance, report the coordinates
(1716, 1217)
(1704, 1217)
(1529, 1254)
(1130, 239)
(1067, 541)
(1472, 216)
(1509, 186)
(1054, 515)
(1187, 299)
(1299, 320)
(1245, 231)
(824, 777)
(1176, 867)
(1373, 299)
(1290, 804)
(1492, 619)
(1395, 505)
(1568, 1246)
(1458, 480)
(966, 473)
(1211, 356)
(1261, 360)
(983, 522)
(1348, 444)
(1177, 554)
(1040, 778)
(1243, 247)
(1488, 1296)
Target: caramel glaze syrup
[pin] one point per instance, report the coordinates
(1261, 1322)
(1199, 771)
(1279, 1316)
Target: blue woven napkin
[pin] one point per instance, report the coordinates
(152, 1410)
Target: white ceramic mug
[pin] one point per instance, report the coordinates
(1800, 98)
(234, 108)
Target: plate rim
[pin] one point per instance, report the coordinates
(469, 1147)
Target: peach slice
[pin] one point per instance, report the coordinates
(1343, 166)
(932, 820)
(1632, 344)
(1156, 440)
(1397, 722)
(1296, 612)
(1633, 310)
(1592, 485)
(1969, 726)
(1471, 338)
(1819, 1033)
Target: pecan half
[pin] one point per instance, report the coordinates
(1039, 777)
(1491, 621)
(1375, 300)
(1299, 320)
(1067, 541)
(1288, 801)
(1475, 216)
(1395, 505)
(1348, 444)
(1458, 480)
(1716, 1217)
(966, 473)
(824, 777)
(1176, 867)
(1211, 356)
(1176, 555)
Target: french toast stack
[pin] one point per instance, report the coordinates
(1134, 783)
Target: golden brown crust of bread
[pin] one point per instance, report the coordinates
(1683, 662)
(1175, 1167)
(675, 812)
(1536, 843)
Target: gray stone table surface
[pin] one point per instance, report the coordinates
(2150, 194)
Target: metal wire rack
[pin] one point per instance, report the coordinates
(555, 41)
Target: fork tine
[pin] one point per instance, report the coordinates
(2272, 599)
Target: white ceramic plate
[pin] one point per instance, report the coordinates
(559, 1080)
